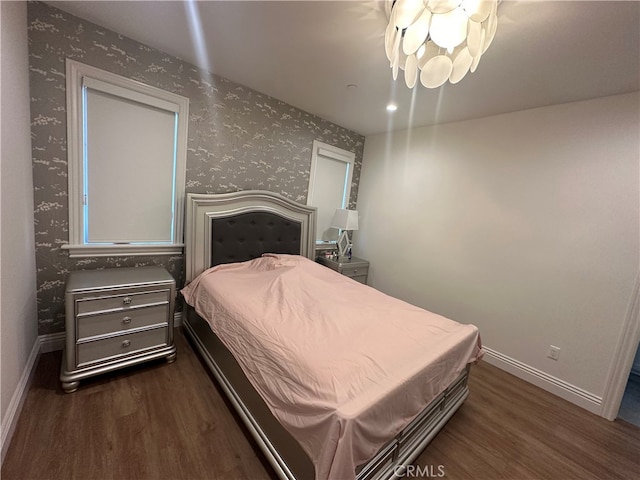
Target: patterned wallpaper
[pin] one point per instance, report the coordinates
(239, 139)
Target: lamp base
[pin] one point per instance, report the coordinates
(343, 243)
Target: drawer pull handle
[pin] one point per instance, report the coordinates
(126, 320)
(126, 300)
(126, 343)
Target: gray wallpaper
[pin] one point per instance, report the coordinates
(239, 139)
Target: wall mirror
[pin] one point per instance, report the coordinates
(329, 186)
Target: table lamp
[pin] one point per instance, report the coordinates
(344, 220)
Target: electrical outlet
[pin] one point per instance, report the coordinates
(554, 352)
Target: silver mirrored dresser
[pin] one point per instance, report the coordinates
(116, 318)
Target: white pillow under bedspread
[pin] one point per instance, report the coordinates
(342, 366)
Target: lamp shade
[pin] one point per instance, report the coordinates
(345, 219)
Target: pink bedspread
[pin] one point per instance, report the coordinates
(342, 366)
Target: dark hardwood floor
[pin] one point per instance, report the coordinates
(170, 421)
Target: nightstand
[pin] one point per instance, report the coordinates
(355, 268)
(116, 318)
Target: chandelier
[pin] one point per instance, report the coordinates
(438, 40)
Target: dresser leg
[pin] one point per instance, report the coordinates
(70, 387)
(171, 358)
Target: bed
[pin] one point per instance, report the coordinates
(333, 430)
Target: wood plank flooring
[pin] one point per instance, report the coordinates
(170, 421)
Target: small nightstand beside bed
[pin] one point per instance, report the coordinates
(332, 378)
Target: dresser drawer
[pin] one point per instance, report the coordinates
(125, 300)
(354, 268)
(108, 348)
(360, 278)
(355, 271)
(100, 324)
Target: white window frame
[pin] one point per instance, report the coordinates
(324, 150)
(79, 77)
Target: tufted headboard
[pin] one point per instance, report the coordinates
(239, 226)
(246, 236)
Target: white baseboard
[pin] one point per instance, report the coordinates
(51, 342)
(562, 389)
(43, 344)
(10, 418)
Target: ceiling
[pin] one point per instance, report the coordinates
(327, 57)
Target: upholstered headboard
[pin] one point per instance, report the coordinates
(239, 226)
(246, 236)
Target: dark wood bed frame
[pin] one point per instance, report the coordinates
(240, 226)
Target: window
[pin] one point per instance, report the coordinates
(329, 186)
(127, 156)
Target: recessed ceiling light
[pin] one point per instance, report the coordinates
(392, 107)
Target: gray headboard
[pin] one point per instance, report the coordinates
(239, 226)
(248, 235)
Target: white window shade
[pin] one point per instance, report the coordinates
(329, 186)
(129, 168)
(330, 174)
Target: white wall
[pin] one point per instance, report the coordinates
(18, 322)
(525, 224)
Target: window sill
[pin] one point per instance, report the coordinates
(76, 251)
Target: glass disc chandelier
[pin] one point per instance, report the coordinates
(438, 40)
